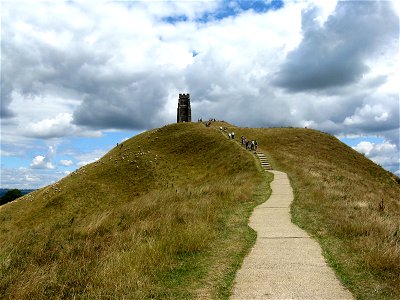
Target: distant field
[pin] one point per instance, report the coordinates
(347, 202)
(163, 216)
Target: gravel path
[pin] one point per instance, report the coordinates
(285, 263)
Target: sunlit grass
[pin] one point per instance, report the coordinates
(338, 193)
(164, 216)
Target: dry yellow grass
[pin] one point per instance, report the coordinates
(338, 196)
(165, 217)
(156, 218)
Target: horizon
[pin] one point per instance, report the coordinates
(351, 142)
(77, 78)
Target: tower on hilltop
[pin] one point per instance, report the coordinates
(184, 110)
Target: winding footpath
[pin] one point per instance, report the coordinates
(285, 263)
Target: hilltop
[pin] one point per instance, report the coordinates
(165, 216)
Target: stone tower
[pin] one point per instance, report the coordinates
(184, 110)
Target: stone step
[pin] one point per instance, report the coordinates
(264, 161)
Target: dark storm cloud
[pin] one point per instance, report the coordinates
(335, 53)
(133, 101)
(6, 100)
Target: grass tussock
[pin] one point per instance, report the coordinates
(350, 204)
(163, 216)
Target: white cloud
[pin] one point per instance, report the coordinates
(59, 126)
(55, 127)
(385, 154)
(368, 113)
(364, 147)
(40, 162)
(89, 157)
(66, 163)
(28, 178)
(44, 162)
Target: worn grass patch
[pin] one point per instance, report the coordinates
(350, 204)
(163, 216)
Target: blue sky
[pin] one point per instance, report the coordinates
(78, 77)
(353, 142)
(227, 9)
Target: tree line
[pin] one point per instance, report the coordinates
(10, 195)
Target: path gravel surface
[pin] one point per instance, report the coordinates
(285, 263)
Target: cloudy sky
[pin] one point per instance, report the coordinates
(78, 77)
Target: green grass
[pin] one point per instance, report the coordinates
(337, 197)
(164, 217)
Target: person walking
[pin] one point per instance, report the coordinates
(233, 135)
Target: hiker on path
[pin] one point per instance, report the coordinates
(233, 135)
(255, 145)
(229, 135)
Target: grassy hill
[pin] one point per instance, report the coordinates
(162, 216)
(165, 216)
(338, 199)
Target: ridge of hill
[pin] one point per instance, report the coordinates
(163, 215)
(344, 200)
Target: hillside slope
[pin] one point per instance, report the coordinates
(162, 216)
(338, 199)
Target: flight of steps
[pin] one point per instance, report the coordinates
(264, 162)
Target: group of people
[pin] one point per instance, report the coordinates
(249, 144)
(207, 123)
(209, 120)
